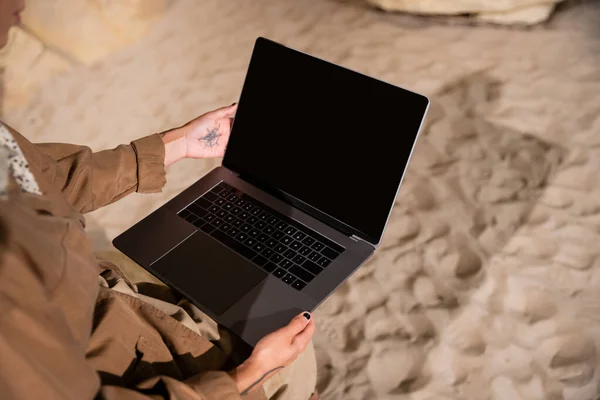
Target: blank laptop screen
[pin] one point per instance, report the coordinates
(329, 137)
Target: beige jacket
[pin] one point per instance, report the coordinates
(62, 335)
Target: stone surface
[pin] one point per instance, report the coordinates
(527, 15)
(523, 12)
(28, 65)
(90, 30)
(59, 35)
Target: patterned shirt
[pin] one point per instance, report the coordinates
(12, 161)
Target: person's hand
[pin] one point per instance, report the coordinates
(274, 352)
(203, 137)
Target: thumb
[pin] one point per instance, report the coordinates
(297, 324)
(302, 339)
(224, 112)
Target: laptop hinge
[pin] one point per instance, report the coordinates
(357, 239)
(287, 200)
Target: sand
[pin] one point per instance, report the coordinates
(486, 283)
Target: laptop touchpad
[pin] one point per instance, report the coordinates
(204, 270)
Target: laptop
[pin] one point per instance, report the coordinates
(316, 156)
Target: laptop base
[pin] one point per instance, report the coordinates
(251, 302)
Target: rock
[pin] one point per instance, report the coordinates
(90, 30)
(29, 64)
(393, 364)
(523, 16)
(526, 12)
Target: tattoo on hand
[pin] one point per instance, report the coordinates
(245, 392)
(211, 139)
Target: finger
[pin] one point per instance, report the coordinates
(297, 324)
(224, 112)
(302, 339)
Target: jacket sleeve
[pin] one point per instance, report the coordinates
(91, 180)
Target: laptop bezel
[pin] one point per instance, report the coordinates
(301, 205)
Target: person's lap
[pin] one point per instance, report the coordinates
(295, 382)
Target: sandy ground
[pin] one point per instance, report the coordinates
(486, 284)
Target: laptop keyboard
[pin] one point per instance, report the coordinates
(283, 247)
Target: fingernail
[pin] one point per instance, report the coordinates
(306, 315)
